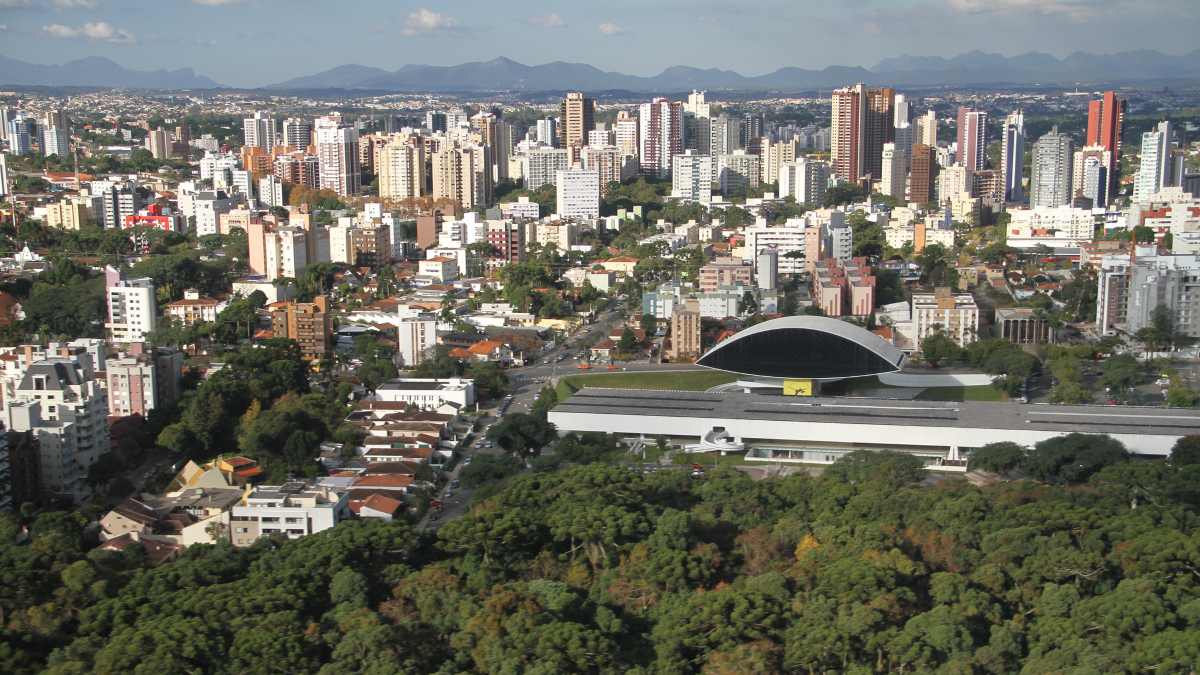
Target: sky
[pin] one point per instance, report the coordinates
(248, 43)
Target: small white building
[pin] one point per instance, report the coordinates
(428, 394)
(294, 509)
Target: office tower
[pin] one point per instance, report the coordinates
(56, 141)
(972, 138)
(20, 135)
(578, 193)
(1155, 169)
(1089, 156)
(625, 130)
(337, 152)
(260, 131)
(463, 174)
(878, 128)
(923, 176)
(1050, 184)
(926, 130)
(1106, 117)
(1012, 156)
(660, 136)
(546, 132)
(3, 175)
(697, 105)
(750, 131)
(456, 119)
(724, 135)
(6, 117)
(297, 133)
(893, 178)
(401, 167)
(902, 114)
(157, 144)
(697, 132)
(766, 269)
(804, 180)
(578, 115)
(1093, 183)
(738, 172)
(435, 121)
(132, 312)
(691, 177)
(496, 134)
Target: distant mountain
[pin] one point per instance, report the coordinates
(96, 71)
(976, 67)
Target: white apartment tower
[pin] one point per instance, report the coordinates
(1012, 156)
(1155, 169)
(804, 180)
(132, 312)
(691, 177)
(578, 193)
(1050, 184)
(260, 131)
(337, 152)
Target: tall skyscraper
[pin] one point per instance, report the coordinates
(972, 138)
(625, 130)
(893, 177)
(1106, 117)
(20, 135)
(1089, 162)
(297, 132)
(804, 180)
(578, 114)
(862, 121)
(3, 175)
(260, 131)
(546, 131)
(6, 115)
(660, 136)
(158, 144)
(56, 141)
(1155, 170)
(848, 113)
(1012, 156)
(337, 152)
(1050, 184)
(691, 177)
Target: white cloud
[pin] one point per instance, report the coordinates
(74, 4)
(15, 4)
(96, 30)
(610, 28)
(428, 21)
(551, 20)
(3, 27)
(216, 3)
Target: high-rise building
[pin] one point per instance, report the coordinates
(1155, 168)
(609, 162)
(20, 135)
(972, 138)
(804, 180)
(435, 121)
(685, 335)
(56, 141)
(132, 312)
(578, 115)
(578, 193)
(691, 177)
(540, 166)
(1012, 156)
(926, 130)
(417, 338)
(463, 174)
(297, 133)
(305, 322)
(158, 144)
(923, 177)
(625, 130)
(6, 117)
(546, 132)
(738, 172)
(1106, 119)
(766, 269)
(878, 128)
(1050, 184)
(1088, 163)
(849, 113)
(496, 134)
(660, 136)
(401, 168)
(337, 151)
(260, 131)
(893, 179)
(774, 154)
(139, 383)
(3, 175)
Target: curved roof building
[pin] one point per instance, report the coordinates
(804, 347)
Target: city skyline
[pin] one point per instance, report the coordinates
(242, 42)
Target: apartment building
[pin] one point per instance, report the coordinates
(132, 312)
(307, 323)
(294, 509)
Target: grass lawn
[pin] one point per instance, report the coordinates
(981, 393)
(687, 380)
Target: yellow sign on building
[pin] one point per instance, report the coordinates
(797, 387)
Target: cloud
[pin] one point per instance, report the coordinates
(216, 3)
(1074, 9)
(74, 4)
(425, 20)
(3, 27)
(96, 30)
(551, 20)
(610, 28)
(15, 4)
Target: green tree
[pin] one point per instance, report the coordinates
(938, 348)
(1072, 458)
(1001, 457)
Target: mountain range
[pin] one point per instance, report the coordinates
(503, 74)
(96, 71)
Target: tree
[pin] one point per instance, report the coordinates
(938, 348)
(1000, 457)
(1073, 458)
(1186, 451)
(1120, 372)
(521, 434)
(649, 324)
(488, 469)
(628, 341)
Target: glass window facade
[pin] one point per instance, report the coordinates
(796, 353)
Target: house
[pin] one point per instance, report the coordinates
(622, 265)
(491, 350)
(377, 506)
(603, 350)
(193, 308)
